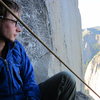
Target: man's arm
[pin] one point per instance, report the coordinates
(30, 87)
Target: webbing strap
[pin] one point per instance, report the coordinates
(26, 26)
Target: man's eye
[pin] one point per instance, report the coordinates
(19, 24)
(15, 22)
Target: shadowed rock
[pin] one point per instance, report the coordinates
(81, 96)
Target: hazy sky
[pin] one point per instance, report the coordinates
(90, 13)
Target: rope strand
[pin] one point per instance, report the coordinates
(46, 46)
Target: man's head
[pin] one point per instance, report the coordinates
(8, 23)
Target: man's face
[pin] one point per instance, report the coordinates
(9, 27)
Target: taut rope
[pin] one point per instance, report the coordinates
(26, 26)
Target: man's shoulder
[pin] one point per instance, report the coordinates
(18, 45)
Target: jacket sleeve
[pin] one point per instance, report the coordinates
(30, 87)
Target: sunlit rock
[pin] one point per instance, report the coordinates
(92, 76)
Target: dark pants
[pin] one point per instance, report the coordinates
(59, 87)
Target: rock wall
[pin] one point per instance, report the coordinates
(58, 24)
(90, 44)
(66, 35)
(92, 76)
(81, 96)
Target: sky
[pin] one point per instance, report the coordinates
(90, 13)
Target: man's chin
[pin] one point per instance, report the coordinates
(9, 40)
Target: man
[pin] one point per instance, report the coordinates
(16, 72)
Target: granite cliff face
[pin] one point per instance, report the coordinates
(92, 77)
(91, 43)
(58, 24)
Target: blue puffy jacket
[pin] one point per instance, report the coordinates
(17, 75)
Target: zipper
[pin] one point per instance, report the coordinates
(9, 77)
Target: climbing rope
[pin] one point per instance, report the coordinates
(26, 26)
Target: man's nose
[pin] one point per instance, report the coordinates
(18, 29)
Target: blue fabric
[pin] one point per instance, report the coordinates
(17, 75)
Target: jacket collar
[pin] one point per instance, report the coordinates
(11, 45)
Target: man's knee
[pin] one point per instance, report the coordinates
(68, 77)
(67, 86)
